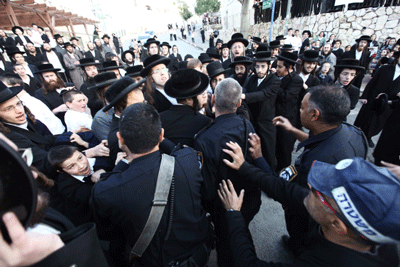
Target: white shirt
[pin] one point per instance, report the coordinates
(396, 72)
(22, 126)
(358, 55)
(259, 81)
(170, 99)
(296, 43)
(55, 61)
(43, 113)
(91, 161)
(22, 37)
(75, 120)
(36, 39)
(2, 65)
(27, 69)
(304, 77)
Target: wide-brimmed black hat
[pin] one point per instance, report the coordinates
(307, 31)
(105, 36)
(365, 38)
(349, 63)
(133, 70)
(6, 93)
(205, 58)
(183, 65)
(187, 57)
(16, 89)
(102, 80)
(127, 52)
(237, 37)
(264, 56)
(165, 44)
(310, 56)
(110, 65)
(262, 48)
(380, 104)
(74, 38)
(186, 83)
(40, 28)
(288, 57)
(87, 61)
(212, 52)
(17, 27)
(274, 44)
(224, 46)
(215, 68)
(152, 61)
(287, 47)
(18, 187)
(57, 35)
(256, 39)
(280, 37)
(47, 67)
(14, 50)
(151, 41)
(240, 60)
(67, 44)
(119, 90)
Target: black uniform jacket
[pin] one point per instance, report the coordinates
(181, 124)
(123, 201)
(261, 99)
(97, 55)
(320, 251)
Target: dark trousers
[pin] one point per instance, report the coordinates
(170, 37)
(267, 132)
(175, 37)
(284, 147)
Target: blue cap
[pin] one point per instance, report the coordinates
(368, 196)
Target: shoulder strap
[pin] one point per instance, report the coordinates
(159, 202)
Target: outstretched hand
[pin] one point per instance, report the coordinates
(228, 196)
(283, 122)
(236, 154)
(395, 169)
(255, 149)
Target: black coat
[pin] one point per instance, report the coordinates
(113, 141)
(339, 54)
(305, 43)
(7, 68)
(181, 124)
(19, 41)
(319, 252)
(97, 56)
(381, 82)
(60, 57)
(7, 44)
(34, 60)
(354, 93)
(33, 85)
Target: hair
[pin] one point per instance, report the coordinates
(195, 106)
(12, 81)
(340, 41)
(244, 51)
(313, 71)
(332, 101)
(69, 95)
(322, 64)
(109, 56)
(227, 95)
(193, 63)
(58, 154)
(339, 70)
(148, 89)
(140, 126)
(15, 65)
(29, 116)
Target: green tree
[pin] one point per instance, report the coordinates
(203, 6)
(184, 10)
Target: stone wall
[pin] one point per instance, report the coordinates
(347, 26)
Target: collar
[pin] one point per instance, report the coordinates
(142, 158)
(224, 117)
(22, 126)
(92, 161)
(181, 108)
(319, 137)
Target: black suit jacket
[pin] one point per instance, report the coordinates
(161, 103)
(60, 57)
(19, 41)
(364, 60)
(305, 43)
(354, 93)
(34, 60)
(97, 56)
(7, 68)
(7, 44)
(181, 124)
(261, 99)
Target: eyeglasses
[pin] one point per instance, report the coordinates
(161, 71)
(323, 200)
(12, 108)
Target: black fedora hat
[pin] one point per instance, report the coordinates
(187, 57)
(205, 58)
(224, 46)
(280, 37)
(16, 89)
(263, 57)
(103, 79)
(40, 28)
(215, 68)
(349, 63)
(240, 60)
(380, 104)
(287, 47)
(153, 61)
(256, 39)
(18, 187)
(307, 31)
(186, 83)
(182, 65)
(151, 41)
(14, 50)
(127, 52)
(165, 44)
(46, 68)
(74, 38)
(212, 52)
(274, 44)
(262, 48)
(57, 35)
(110, 65)
(133, 70)
(105, 36)
(68, 44)
(119, 90)
(6, 93)
(237, 37)
(310, 56)
(87, 61)
(365, 38)
(396, 54)
(17, 27)
(288, 57)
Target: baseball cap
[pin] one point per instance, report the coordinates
(368, 196)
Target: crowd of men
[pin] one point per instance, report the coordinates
(168, 155)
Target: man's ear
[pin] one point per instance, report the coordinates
(121, 140)
(316, 115)
(162, 135)
(68, 104)
(338, 226)
(240, 103)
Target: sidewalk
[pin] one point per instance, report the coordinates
(198, 43)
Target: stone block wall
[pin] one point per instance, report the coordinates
(347, 25)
